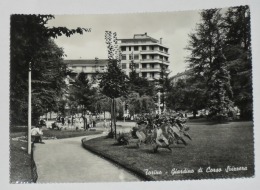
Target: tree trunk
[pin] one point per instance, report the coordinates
(115, 116)
(111, 115)
(194, 113)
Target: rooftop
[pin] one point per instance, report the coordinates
(143, 37)
(88, 62)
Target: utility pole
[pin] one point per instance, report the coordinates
(159, 102)
(29, 109)
(124, 110)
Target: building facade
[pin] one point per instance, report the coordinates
(88, 66)
(148, 54)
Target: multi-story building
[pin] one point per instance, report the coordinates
(148, 54)
(89, 66)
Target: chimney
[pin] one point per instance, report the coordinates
(160, 40)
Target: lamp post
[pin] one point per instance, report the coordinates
(29, 109)
(124, 111)
(159, 102)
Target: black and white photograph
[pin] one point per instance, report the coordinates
(131, 97)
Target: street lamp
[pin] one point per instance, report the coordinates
(159, 102)
(29, 108)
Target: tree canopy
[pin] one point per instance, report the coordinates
(32, 44)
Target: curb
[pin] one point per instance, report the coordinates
(135, 171)
(33, 166)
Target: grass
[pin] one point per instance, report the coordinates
(68, 133)
(20, 163)
(214, 145)
(48, 133)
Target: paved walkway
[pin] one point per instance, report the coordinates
(66, 161)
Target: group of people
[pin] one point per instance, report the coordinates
(78, 122)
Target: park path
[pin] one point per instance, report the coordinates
(66, 161)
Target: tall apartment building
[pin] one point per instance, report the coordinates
(148, 54)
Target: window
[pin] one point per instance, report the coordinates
(123, 65)
(152, 56)
(151, 47)
(123, 48)
(143, 47)
(136, 48)
(137, 65)
(130, 48)
(130, 57)
(123, 57)
(144, 74)
(152, 75)
(152, 66)
(136, 56)
(144, 65)
(143, 56)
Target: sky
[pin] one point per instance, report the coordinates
(172, 27)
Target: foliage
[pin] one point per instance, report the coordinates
(209, 63)
(187, 95)
(31, 44)
(237, 50)
(164, 85)
(113, 81)
(140, 104)
(81, 92)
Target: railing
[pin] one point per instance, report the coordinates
(150, 69)
(164, 61)
(154, 51)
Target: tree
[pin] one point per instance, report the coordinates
(208, 63)
(113, 81)
(237, 50)
(83, 94)
(31, 44)
(187, 94)
(164, 85)
(138, 104)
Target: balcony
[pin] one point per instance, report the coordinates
(154, 52)
(154, 61)
(140, 43)
(150, 69)
(152, 78)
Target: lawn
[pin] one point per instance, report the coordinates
(214, 148)
(68, 133)
(20, 163)
(48, 133)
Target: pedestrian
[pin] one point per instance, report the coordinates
(68, 121)
(105, 123)
(36, 134)
(62, 120)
